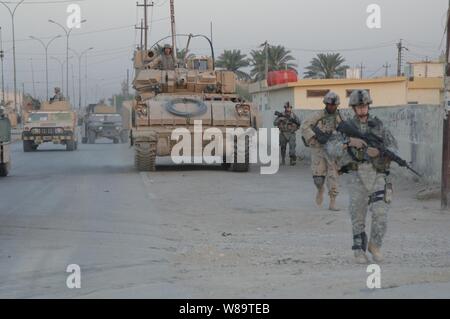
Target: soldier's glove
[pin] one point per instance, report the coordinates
(373, 152)
(357, 143)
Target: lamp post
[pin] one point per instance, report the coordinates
(2, 55)
(67, 32)
(61, 64)
(80, 56)
(46, 56)
(13, 13)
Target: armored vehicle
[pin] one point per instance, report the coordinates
(194, 91)
(53, 123)
(5, 140)
(103, 121)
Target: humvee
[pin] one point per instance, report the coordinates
(102, 121)
(54, 123)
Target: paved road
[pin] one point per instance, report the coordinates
(197, 232)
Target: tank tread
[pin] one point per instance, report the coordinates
(4, 170)
(241, 167)
(145, 156)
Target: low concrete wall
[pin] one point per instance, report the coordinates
(417, 128)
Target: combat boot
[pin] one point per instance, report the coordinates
(319, 196)
(361, 257)
(376, 253)
(293, 161)
(333, 206)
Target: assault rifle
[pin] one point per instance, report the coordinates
(374, 141)
(290, 119)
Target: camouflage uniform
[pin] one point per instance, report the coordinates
(164, 61)
(323, 168)
(288, 131)
(369, 184)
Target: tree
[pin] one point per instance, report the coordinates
(326, 66)
(234, 60)
(279, 58)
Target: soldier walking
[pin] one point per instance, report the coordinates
(288, 123)
(369, 184)
(316, 131)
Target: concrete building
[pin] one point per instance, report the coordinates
(424, 86)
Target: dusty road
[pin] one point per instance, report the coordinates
(197, 232)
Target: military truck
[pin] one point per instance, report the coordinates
(5, 141)
(103, 121)
(193, 91)
(53, 123)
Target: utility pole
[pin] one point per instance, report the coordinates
(12, 13)
(386, 67)
(400, 49)
(174, 30)
(145, 27)
(266, 52)
(2, 55)
(141, 28)
(128, 83)
(445, 190)
(361, 69)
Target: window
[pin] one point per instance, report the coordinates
(201, 65)
(316, 93)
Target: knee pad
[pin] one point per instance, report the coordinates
(319, 181)
(360, 238)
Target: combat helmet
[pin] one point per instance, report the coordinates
(332, 98)
(360, 97)
(287, 105)
(167, 46)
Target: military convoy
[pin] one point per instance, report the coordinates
(52, 123)
(5, 141)
(103, 121)
(193, 91)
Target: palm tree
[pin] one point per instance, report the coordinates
(234, 60)
(327, 66)
(279, 58)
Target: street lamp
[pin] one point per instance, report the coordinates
(13, 12)
(67, 32)
(61, 64)
(46, 55)
(80, 56)
(2, 55)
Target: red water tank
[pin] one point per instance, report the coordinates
(281, 77)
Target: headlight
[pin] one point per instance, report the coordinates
(35, 131)
(118, 128)
(100, 128)
(59, 131)
(243, 109)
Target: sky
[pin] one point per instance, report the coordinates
(306, 27)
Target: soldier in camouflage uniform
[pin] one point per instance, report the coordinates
(165, 61)
(322, 167)
(369, 184)
(288, 123)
